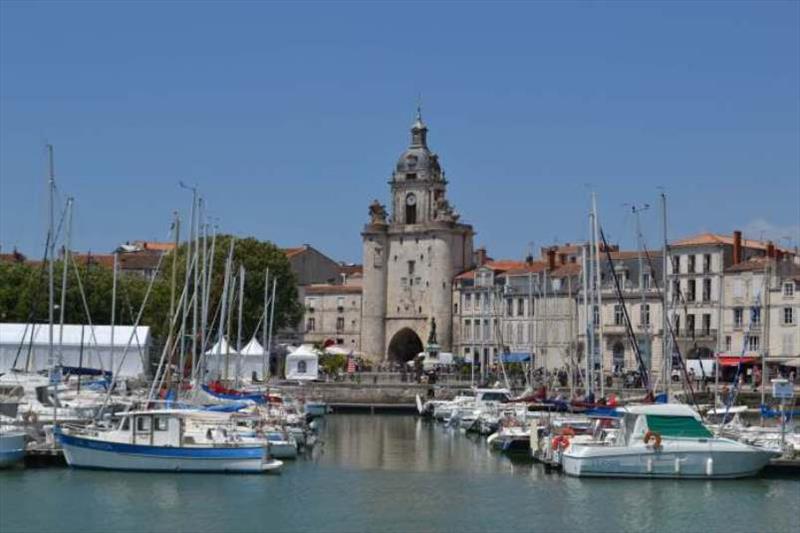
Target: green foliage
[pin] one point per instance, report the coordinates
(23, 290)
(333, 363)
(256, 256)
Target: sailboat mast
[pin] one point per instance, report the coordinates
(224, 304)
(530, 328)
(64, 272)
(51, 185)
(586, 352)
(271, 321)
(666, 351)
(592, 294)
(113, 306)
(239, 322)
(196, 272)
(265, 362)
(599, 295)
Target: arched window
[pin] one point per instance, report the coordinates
(301, 367)
(411, 209)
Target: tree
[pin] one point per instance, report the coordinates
(23, 290)
(256, 256)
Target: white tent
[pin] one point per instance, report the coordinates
(222, 347)
(218, 355)
(252, 360)
(335, 349)
(428, 362)
(303, 363)
(78, 345)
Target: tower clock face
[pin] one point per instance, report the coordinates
(411, 199)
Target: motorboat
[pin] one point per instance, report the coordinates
(12, 446)
(315, 409)
(166, 440)
(663, 441)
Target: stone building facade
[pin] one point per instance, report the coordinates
(760, 308)
(639, 278)
(696, 270)
(332, 315)
(411, 255)
(521, 307)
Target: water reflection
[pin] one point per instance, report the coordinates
(390, 473)
(408, 444)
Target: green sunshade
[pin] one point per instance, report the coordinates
(677, 426)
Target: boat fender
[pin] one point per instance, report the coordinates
(709, 466)
(652, 435)
(568, 431)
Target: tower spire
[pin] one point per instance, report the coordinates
(419, 130)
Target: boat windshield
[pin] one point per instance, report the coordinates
(495, 397)
(677, 426)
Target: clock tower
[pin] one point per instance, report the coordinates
(411, 257)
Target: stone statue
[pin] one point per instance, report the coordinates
(445, 212)
(377, 213)
(432, 336)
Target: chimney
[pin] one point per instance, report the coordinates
(737, 247)
(480, 256)
(551, 259)
(771, 250)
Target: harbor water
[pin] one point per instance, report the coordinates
(390, 473)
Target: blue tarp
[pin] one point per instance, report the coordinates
(84, 371)
(255, 397)
(516, 357)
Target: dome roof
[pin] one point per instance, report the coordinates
(418, 158)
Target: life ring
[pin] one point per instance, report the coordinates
(560, 443)
(652, 435)
(30, 417)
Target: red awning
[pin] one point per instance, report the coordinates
(734, 360)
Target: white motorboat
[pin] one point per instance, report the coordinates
(664, 441)
(166, 440)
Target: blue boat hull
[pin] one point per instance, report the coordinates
(82, 452)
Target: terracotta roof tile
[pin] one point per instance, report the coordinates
(291, 252)
(324, 288)
(155, 246)
(715, 238)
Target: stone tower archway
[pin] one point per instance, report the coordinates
(405, 346)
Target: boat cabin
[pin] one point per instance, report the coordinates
(492, 395)
(667, 420)
(153, 428)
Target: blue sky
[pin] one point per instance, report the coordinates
(290, 117)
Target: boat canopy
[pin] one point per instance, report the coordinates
(667, 409)
(677, 426)
(734, 360)
(516, 357)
